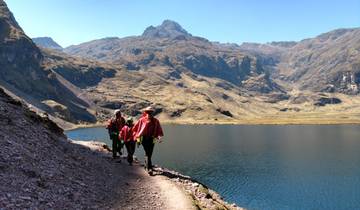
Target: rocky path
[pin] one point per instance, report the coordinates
(135, 189)
(150, 192)
(166, 189)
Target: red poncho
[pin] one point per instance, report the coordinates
(147, 126)
(126, 134)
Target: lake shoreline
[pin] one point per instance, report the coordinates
(249, 122)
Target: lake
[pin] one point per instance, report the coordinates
(263, 166)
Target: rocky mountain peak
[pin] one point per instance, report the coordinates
(168, 29)
(6, 14)
(8, 26)
(46, 42)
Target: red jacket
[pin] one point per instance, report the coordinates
(147, 127)
(126, 134)
(115, 125)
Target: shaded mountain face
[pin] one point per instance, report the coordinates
(46, 42)
(24, 71)
(329, 62)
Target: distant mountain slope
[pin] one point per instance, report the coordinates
(329, 62)
(169, 45)
(46, 42)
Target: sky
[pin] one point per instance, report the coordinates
(229, 21)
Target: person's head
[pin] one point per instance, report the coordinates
(149, 111)
(117, 113)
(129, 122)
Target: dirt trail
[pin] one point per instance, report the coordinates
(137, 190)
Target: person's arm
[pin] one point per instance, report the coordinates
(158, 131)
(122, 134)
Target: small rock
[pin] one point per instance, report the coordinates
(25, 197)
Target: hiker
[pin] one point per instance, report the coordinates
(127, 136)
(114, 127)
(146, 130)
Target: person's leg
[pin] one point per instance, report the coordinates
(132, 151)
(128, 149)
(148, 147)
(151, 149)
(119, 146)
(114, 146)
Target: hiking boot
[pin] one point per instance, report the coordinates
(150, 172)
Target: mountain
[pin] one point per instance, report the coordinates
(168, 29)
(210, 78)
(46, 42)
(186, 78)
(170, 46)
(34, 76)
(225, 81)
(329, 62)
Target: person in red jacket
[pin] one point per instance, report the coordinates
(127, 136)
(146, 130)
(114, 127)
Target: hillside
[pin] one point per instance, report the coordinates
(38, 78)
(329, 62)
(215, 82)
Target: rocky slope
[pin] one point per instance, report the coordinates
(47, 42)
(38, 77)
(40, 168)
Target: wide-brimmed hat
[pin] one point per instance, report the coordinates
(116, 112)
(149, 109)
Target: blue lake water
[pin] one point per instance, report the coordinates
(263, 167)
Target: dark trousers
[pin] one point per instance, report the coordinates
(130, 148)
(148, 144)
(116, 144)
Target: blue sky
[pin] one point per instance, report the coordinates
(75, 21)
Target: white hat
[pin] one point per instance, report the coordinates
(117, 111)
(149, 109)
